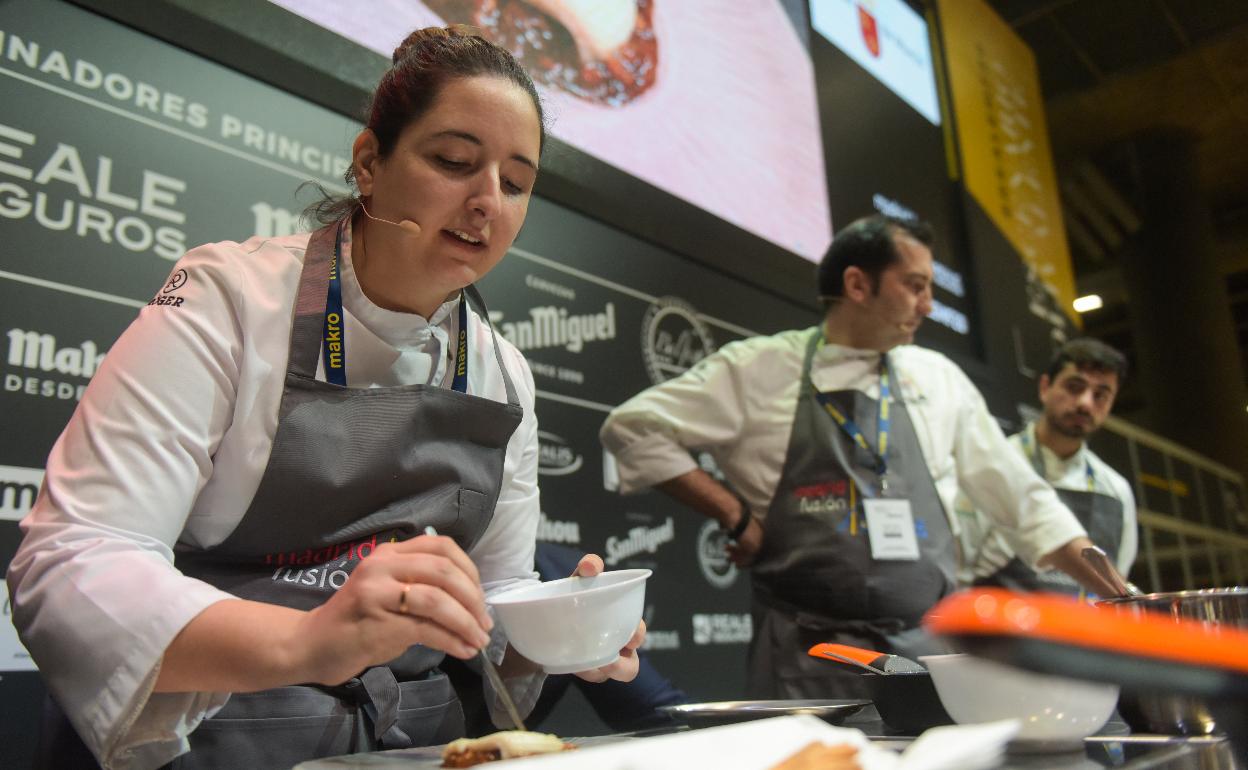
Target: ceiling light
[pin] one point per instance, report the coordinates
(1088, 302)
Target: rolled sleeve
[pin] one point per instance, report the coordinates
(1004, 487)
(652, 433)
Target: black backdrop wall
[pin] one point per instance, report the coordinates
(119, 150)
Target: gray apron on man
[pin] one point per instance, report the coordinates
(350, 469)
(1099, 513)
(815, 579)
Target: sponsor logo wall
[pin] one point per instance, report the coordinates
(601, 316)
(126, 151)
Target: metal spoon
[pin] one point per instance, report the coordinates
(491, 673)
(1099, 560)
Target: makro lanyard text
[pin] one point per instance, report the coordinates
(334, 347)
(852, 430)
(1037, 460)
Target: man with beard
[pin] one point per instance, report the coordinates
(842, 447)
(1077, 392)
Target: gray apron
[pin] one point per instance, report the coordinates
(350, 469)
(815, 579)
(1099, 513)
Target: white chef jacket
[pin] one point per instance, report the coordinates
(168, 447)
(987, 548)
(738, 404)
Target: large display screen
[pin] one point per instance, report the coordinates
(712, 102)
(889, 40)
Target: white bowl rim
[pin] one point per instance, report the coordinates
(627, 577)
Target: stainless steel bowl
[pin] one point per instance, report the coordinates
(1178, 714)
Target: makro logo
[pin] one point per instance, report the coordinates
(722, 628)
(640, 540)
(555, 457)
(18, 489)
(673, 338)
(551, 531)
(273, 221)
(713, 556)
(551, 326)
(40, 352)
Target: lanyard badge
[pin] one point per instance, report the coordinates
(890, 522)
(334, 343)
(878, 455)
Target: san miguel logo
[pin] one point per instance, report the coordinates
(551, 326)
(870, 30)
(639, 540)
(673, 338)
(555, 457)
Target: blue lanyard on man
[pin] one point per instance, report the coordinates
(334, 347)
(850, 428)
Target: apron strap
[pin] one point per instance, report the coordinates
(309, 320)
(376, 694)
(306, 330)
(470, 292)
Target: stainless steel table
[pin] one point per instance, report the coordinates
(1113, 747)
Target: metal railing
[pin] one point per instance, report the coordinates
(1177, 552)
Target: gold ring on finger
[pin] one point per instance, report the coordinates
(403, 599)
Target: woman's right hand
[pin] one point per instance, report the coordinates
(420, 591)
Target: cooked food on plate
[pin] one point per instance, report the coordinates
(602, 51)
(508, 744)
(821, 756)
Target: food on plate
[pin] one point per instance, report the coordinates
(507, 744)
(822, 756)
(602, 51)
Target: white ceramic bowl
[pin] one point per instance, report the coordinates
(1050, 708)
(576, 623)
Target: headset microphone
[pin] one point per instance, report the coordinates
(406, 224)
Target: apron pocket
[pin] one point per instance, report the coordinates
(429, 711)
(471, 503)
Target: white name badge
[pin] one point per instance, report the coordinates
(890, 526)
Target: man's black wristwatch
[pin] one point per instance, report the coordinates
(736, 532)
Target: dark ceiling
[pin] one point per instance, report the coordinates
(1113, 70)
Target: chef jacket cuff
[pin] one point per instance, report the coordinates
(153, 727)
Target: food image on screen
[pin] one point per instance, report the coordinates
(711, 101)
(603, 51)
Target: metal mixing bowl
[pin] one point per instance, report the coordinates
(1169, 714)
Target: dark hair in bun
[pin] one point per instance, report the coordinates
(423, 64)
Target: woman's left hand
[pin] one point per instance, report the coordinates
(623, 668)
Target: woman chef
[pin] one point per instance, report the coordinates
(227, 556)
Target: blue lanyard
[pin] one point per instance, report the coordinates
(851, 429)
(334, 347)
